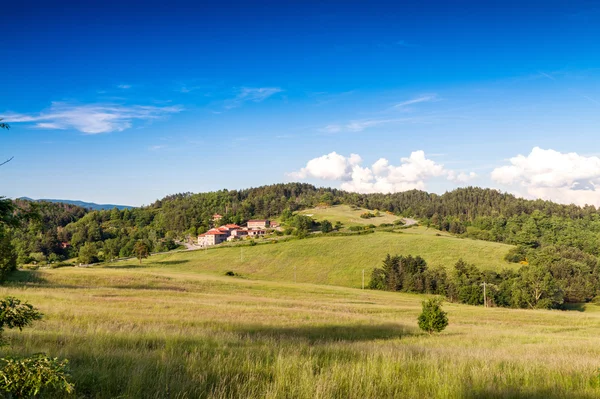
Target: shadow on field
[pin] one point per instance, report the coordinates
(19, 277)
(172, 262)
(350, 333)
(578, 307)
(491, 393)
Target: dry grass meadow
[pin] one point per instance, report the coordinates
(170, 332)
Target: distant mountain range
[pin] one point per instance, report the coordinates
(88, 205)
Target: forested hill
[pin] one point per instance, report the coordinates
(475, 212)
(464, 204)
(87, 205)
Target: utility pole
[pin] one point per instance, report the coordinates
(363, 279)
(484, 295)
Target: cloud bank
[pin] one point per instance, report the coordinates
(93, 118)
(552, 175)
(382, 177)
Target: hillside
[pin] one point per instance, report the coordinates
(332, 260)
(139, 332)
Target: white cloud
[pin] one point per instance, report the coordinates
(552, 175)
(328, 167)
(251, 94)
(421, 99)
(363, 124)
(125, 87)
(93, 118)
(461, 177)
(360, 125)
(412, 173)
(332, 129)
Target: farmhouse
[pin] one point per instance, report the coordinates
(230, 232)
(212, 237)
(258, 224)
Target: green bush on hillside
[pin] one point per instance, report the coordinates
(433, 318)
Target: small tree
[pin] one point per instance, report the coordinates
(432, 318)
(141, 250)
(88, 253)
(326, 226)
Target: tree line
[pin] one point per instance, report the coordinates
(555, 276)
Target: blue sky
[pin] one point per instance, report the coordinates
(126, 102)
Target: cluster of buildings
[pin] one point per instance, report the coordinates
(230, 232)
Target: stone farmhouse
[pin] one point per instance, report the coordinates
(230, 232)
(258, 224)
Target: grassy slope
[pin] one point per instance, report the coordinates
(154, 334)
(347, 215)
(334, 260)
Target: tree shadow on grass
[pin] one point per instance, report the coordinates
(23, 277)
(330, 333)
(578, 307)
(148, 264)
(171, 262)
(142, 266)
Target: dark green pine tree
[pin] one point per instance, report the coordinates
(433, 318)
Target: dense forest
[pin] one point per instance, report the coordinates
(61, 231)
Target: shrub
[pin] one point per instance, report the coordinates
(326, 226)
(432, 318)
(516, 255)
(38, 375)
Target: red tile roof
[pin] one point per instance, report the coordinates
(232, 226)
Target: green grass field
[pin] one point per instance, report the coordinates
(147, 333)
(346, 215)
(332, 260)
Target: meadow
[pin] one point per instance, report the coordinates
(140, 332)
(347, 215)
(334, 260)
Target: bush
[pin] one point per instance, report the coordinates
(326, 226)
(516, 255)
(432, 318)
(38, 375)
